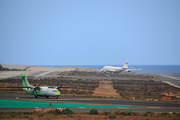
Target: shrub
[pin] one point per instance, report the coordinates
(67, 111)
(27, 113)
(147, 113)
(122, 113)
(51, 112)
(117, 112)
(12, 114)
(40, 114)
(177, 114)
(129, 113)
(135, 114)
(112, 115)
(57, 111)
(164, 114)
(94, 111)
(26, 116)
(106, 112)
(18, 113)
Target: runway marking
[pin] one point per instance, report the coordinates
(82, 107)
(44, 73)
(153, 107)
(73, 99)
(172, 77)
(171, 84)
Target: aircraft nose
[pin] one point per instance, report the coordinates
(58, 93)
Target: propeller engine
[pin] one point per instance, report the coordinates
(127, 70)
(36, 88)
(58, 87)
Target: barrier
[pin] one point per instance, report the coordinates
(47, 109)
(38, 109)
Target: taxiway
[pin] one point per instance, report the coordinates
(143, 106)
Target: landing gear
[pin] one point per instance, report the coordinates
(47, 96)
(36, 96)
(56, 97)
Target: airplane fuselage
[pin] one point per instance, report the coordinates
(112, 69)
(39, 91)
(124, 68)
(43, 91)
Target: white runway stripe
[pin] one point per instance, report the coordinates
(43, 73)
(172, 77)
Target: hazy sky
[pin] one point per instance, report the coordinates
(90, 32)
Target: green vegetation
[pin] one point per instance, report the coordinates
(94, 111)
(148, 113)
(57, 113)
(112, 115)
(122, 113)
(67, 111)
(7, 69)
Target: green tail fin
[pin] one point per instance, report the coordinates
(25, 81)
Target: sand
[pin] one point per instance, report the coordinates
(29, 70)
(106, 89)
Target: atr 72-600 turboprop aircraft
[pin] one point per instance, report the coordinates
(40, 91)
(117, 69)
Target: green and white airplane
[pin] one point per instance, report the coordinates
(40, 91)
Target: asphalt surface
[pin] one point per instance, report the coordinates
(143, 105)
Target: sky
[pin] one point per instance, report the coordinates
(90, 32)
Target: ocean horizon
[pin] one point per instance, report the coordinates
(146, 69)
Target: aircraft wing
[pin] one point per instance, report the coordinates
(63, 87)
(109, 70)
(129, 70)
(134, 69)
(113, 70)
(67, 86)
(15, 87)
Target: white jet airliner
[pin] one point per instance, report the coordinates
(39, 91)
(117, 69)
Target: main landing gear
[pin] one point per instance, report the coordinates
(56, 97)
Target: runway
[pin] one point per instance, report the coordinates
(135, 106)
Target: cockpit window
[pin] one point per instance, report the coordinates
(55, 91)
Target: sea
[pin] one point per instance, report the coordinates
(145, 69)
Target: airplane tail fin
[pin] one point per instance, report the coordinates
(25, 81)
(126, 64)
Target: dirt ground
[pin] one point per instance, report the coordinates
(88, 117)
(83, 69)
(105, 89)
